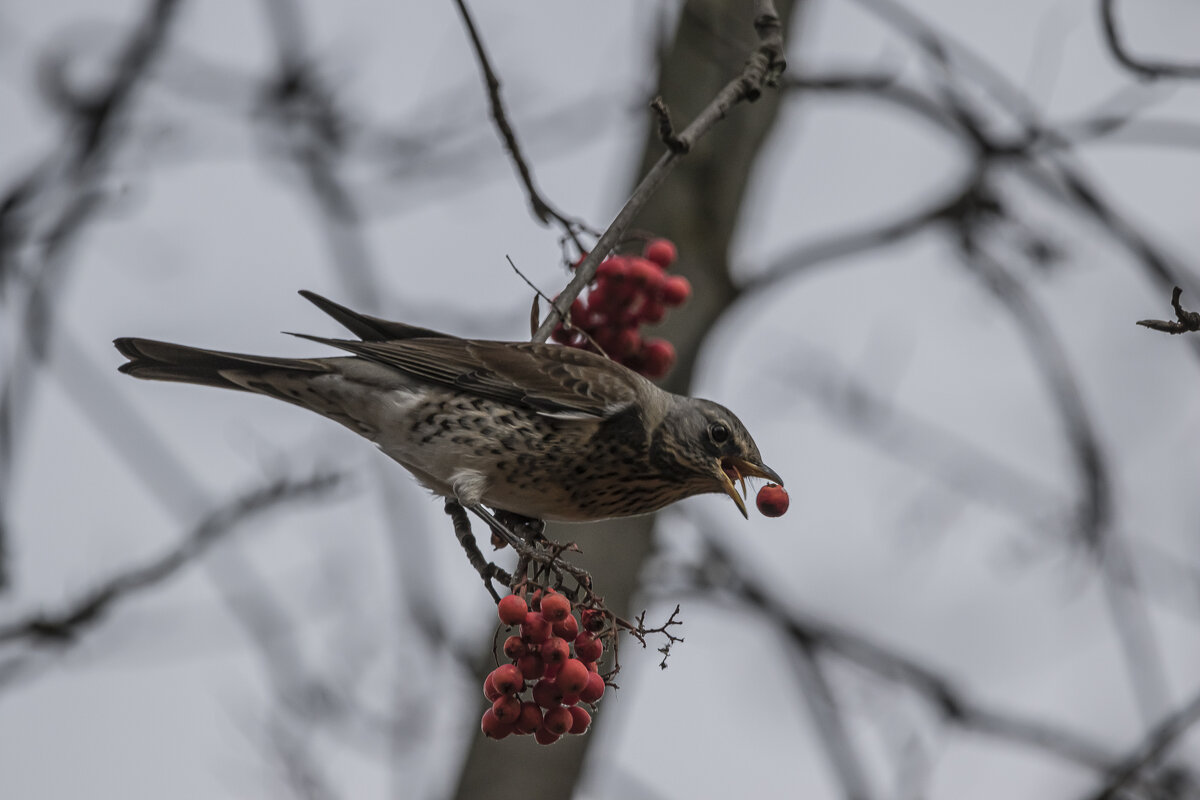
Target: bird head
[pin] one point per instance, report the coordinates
(709, 449)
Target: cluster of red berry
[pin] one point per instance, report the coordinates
(628, 292)
(541, 661)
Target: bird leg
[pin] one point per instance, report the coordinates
(503, 530)
(486, 569)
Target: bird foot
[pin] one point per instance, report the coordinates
(532, 530)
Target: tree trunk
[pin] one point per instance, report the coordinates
(698, 208)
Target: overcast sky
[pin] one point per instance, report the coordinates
(207, 237)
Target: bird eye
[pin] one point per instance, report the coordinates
(718, 432)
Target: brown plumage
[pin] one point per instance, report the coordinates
(539, 430)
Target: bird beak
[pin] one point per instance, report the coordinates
(733, 468)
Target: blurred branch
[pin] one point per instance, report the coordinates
(1143, 68)
(1152, 749)
(1048, 354)
(64, 627)
(49, 207)
(299, 770)
(721, 570)
(1184, 321)
(859, 240)
(1095, 514)
(828, 721)
(970, 471)
(315, 131)
(762, 69)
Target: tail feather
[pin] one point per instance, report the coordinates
(367, 328)
(164, 361)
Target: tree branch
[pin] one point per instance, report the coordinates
(1152, 749)
(541, 207)
(763, 68)
(1143, 68)
(63, 627)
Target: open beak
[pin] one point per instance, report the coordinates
(733, 468)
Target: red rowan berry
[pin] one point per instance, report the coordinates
(661, 252)
(514, 647)
(594, 689)
(652, 313)
(646, 273)
(581, 720)
(598, 297)
(507, 679)
(555, 607)
(772, 500)
(531, 665)
(555, 651)
(489, 689)
(616, 268)
(507, 709)
(512, 609)
(592, 619)
(578, 311)
(676, 290)
(544, 736)
(547, 694)
(494, 728)
(657, 357)
(535, 629)
(558, 720)
(566, 630)
(572, 676)
(530, 718)
(587, 647)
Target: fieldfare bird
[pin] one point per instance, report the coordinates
(538, 430)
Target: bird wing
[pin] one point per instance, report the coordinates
(368, 328)
(550, 379)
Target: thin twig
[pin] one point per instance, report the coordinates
(1184, 321)
(666, 130)
(541, 208)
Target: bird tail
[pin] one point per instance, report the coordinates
(164, 361)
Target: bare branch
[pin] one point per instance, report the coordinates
(722, 571)
(828, 722)
(541, 208)
(763, 68)
(1151, 750)
(54, 202)
(1145, 69)
(63, 627)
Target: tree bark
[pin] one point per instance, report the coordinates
(698, 208)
